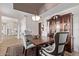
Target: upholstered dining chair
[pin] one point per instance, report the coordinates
(57, 48)
(27, 43)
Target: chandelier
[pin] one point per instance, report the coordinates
(35, 18)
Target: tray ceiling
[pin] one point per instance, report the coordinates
(34, 8)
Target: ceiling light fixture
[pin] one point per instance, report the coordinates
(35, 18)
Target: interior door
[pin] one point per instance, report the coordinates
(39, 25)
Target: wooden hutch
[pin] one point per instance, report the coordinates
(63, 23)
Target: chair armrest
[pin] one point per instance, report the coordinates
(49, 49)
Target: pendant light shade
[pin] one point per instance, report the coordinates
(35, 18)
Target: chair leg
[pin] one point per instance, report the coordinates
(25, 53)
(23, 49)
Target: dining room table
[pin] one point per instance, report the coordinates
(39, 42)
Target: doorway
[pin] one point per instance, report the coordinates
(39, 29)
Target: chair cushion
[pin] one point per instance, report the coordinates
(45, 53)
(30, 46)
(50, 48)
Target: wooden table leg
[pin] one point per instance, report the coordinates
(37, 50)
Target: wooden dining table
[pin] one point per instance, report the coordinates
(39, 42)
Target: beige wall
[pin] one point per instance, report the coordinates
(28, 24)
